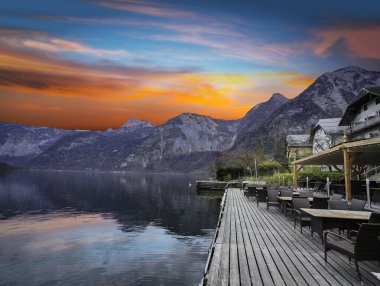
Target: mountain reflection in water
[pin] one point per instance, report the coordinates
(103, 228)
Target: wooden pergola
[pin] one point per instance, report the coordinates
(360, 153)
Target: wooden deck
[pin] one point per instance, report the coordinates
(253, 246)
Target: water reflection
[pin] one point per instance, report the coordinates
(103, 228)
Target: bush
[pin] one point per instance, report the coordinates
(229, 173)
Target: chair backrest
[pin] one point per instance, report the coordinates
(286, 193)
(320, 203)
(261, 195)
(336, 197)
(304, 194)
(252, 190)
(374, 218)
(357, 205)
(272, 196)
(273, 187)
(338, 205)
(367, 246)
(301, 203)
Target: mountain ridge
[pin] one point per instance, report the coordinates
(188, 141)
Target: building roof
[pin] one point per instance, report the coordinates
(300, 140)
(329, 125)
(365, 95)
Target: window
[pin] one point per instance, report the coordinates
(365, 107)
(377, 100)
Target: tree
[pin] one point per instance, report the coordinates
(259, 150)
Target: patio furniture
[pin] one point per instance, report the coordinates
(336, 197)
(320, 202)
(357, 205)
(261, 195)
(304, 219)
(251, 191)
(286, 193)
(272, 198)
(338, 205)
(304, 194)
(366, 247)
(326, 219)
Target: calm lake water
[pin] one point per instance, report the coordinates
(103, 229)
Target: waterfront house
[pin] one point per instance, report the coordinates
(298, 146)
(362, 116)
(326, 134)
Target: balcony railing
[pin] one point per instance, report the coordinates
(371, 121)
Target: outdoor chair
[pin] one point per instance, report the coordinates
(304, 194)
(366, 247)
(251, 191)
(338, 205)
(286, 193)
(287, 207)
(375, 197)
(357, 205)
(272, 198)
(261, 195)
(320, 203)
(374, 218)
(336, 197)
(304, 219)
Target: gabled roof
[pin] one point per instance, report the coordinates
(300, 140)
(329, 125)
(365, 95)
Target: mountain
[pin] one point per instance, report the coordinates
(188, 141)
(183, 142)
(327, 97)
(20, 143)
(257, 116)
(133, 124)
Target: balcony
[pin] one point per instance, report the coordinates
(370, 122)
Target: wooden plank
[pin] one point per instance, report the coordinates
(252, 258)
(245, 277)
(266, 252)
(224, 269)
(234, 262)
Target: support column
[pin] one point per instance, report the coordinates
(295, 174)
(347, 167)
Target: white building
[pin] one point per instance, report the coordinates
(362, 116)
(326, 134)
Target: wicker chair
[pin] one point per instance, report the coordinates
(336, 197)
(304, 219)
(261, 195)
(338, 205)
(357, 205)
(320, 203)
(272, 198)
(366, 247)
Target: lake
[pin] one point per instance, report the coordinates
(72, 228)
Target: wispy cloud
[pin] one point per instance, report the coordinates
(145, 8)
(57, 45)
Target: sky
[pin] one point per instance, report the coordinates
(92, 64)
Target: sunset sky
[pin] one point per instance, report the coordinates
(92, 64)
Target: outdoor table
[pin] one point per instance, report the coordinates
(325, 219)
(284, 200)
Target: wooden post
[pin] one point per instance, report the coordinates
(347, 165)
(295, 173)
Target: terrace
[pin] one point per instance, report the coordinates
(256, 246)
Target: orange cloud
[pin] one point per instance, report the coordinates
(361, 41)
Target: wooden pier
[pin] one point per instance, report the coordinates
(256, 246)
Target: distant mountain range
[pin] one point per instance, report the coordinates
(186, 142)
